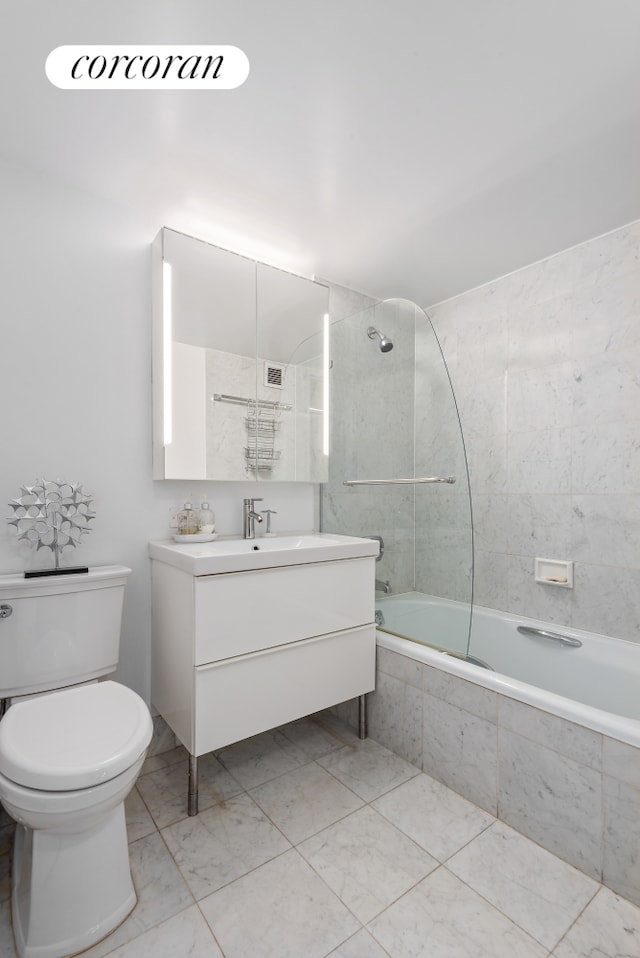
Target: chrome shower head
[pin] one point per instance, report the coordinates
(385, 344)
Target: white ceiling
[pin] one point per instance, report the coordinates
(409, 148)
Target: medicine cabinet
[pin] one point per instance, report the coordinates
(240, 366)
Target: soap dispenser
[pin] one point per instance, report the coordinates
(188, 524)
(207, 519)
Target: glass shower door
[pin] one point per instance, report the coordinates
(397, 471)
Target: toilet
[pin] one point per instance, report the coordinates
(72, 743)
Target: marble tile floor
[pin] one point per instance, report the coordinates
(310, 843)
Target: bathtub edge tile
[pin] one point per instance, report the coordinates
(401, 667)
(552, 799)
(621, 761)
(461, 693)
(394, 717)
(460, 750)
(621, 862)
(568, 738)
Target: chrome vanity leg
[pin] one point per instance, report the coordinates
(362, 716)
(192, 803)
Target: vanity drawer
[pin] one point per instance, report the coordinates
(244, 612)
(241, 697)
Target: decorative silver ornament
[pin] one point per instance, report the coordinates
(52, 514)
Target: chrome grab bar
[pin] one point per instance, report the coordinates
(556, 636)
(395, 482)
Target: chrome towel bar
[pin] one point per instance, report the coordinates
(556, 636)
(251, 403)
(395, 482)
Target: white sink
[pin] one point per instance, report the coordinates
(240, 555)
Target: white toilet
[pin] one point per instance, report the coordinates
(68, 759)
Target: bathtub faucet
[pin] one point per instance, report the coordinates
(383, 586)
(380, 541)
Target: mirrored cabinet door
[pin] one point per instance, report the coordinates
(240, 367)
(291, 399)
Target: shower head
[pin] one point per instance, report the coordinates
(385, 344)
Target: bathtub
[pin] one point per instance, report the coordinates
(547, 739)
(596, 684)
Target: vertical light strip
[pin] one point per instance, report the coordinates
(167, 337)
(326, 364)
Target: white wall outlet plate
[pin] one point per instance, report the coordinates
(173, 517)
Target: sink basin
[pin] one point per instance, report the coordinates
(240, 555)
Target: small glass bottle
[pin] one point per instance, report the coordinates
(188, 524)
(207, 519)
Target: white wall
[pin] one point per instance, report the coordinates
(75, 389)
(546, 368)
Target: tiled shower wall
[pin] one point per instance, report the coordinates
(545, 364)
(372, 429)
(394, 416)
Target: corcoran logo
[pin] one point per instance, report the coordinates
(130, 67)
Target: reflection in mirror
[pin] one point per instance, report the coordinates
(291, 311)
(236, 395)
(308, 376)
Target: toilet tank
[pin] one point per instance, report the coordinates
(61, 630)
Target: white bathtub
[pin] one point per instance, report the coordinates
(549, 742)
(596, 685)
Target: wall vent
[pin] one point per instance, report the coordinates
(274, 375)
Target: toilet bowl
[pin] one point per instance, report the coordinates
(67, 762)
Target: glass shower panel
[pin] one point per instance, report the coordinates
(394, 421)
(443, 527)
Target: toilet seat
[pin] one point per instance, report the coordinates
(75, 738)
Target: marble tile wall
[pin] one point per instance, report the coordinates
(573, 791)
(226, 433)
(227, 437)
(545, 364)
(372, 426)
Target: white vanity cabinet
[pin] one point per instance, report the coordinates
(236, 653)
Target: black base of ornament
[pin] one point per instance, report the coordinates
(73, 570)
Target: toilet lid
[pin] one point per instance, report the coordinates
(74, 738)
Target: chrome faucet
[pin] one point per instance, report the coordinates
(383, 586)
(249, 518)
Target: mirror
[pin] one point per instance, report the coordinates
(240, 353)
